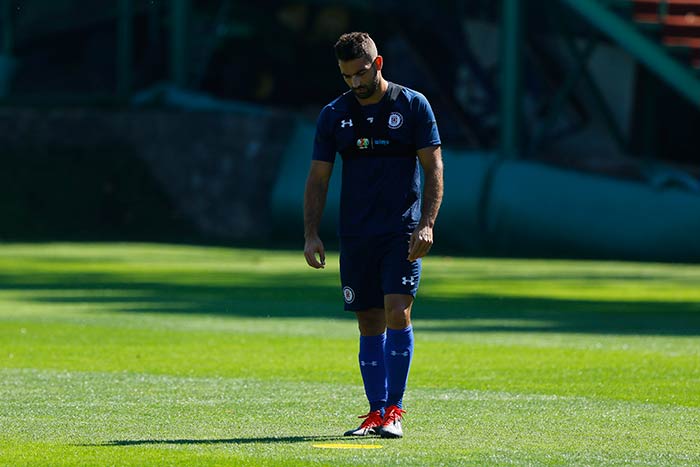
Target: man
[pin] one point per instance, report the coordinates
(382, 131)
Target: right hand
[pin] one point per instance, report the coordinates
(313, 246)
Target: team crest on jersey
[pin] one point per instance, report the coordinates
(348, 294)
(362, 143)
(395, 120)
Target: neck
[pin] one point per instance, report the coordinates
(378, 94)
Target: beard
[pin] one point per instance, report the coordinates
(365, 92)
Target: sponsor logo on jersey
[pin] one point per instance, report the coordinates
(395, 120)
(344, 123)
(363, 143)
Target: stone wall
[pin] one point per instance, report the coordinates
(217, 168)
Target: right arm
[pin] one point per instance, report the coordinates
(314, 202)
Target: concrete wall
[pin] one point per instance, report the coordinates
(217, 168)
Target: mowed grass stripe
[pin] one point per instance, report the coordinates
(136, 415)
(613, 373)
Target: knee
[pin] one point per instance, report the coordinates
(397, 320)
(371, 322)
(398, 315)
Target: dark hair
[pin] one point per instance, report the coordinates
(353, 45)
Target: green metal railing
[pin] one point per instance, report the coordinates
(124, 47)
(647, 51)
(511, 25)
(178, 41)
(621, 31)
(7, 27)
(179, 11)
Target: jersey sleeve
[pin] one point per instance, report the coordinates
(324, 141)
(426, 133)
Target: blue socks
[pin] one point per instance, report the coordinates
(398, 352)
(384, 364)
(372, 369)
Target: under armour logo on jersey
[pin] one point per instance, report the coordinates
(394, 353)
(372, 363)
(344, 123)
(408, 280)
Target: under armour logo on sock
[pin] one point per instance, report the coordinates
(344, 123)
(394, 353)
(408, 280)
(372, 363)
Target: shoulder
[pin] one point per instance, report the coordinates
(331, 113)
(413, 97)
(414, 103)
(338, 106)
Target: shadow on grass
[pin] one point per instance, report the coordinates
(265, 440)
(303, 296)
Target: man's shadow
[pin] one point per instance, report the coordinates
(264, 440)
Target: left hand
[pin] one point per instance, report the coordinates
(420, 243)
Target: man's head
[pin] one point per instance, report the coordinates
(359, 63)
(355, 45)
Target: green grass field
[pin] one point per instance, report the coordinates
(172, 355)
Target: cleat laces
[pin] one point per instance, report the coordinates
(372, 419)
(393, 413)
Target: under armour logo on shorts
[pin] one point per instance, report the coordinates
(408, 280)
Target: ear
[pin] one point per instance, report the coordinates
(379, 62)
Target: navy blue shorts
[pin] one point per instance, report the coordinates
(373, 267)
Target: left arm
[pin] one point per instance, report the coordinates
(422, 237)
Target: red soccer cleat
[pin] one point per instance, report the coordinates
(391, 424)
(369, 426)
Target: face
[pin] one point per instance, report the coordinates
(361, 75)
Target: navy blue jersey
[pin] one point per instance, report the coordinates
(380, 190)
